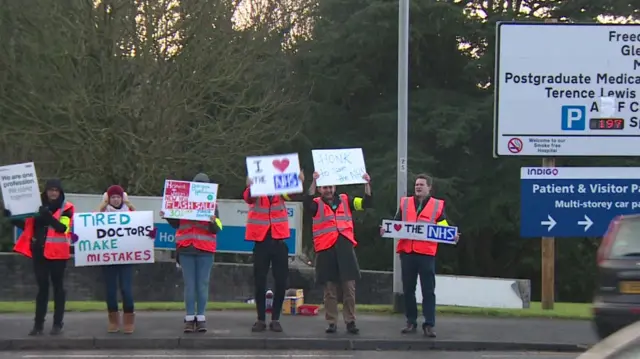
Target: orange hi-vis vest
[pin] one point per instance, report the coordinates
(195, 233)
(267, 213)
(57, 246)
(430, 214)
(327, 224)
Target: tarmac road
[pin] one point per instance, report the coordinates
(214, 354)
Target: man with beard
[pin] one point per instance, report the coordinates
(333, 241)
(46, 239)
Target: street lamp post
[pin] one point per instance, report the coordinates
(403, 101)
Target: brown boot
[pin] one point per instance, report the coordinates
(114, 322)
(129, 320)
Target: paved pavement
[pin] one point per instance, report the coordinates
(231, 330)
(280, 354)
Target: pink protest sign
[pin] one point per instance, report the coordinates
(189, 200)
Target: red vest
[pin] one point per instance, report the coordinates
(195, 233)
(327, 224)
(265, 213)
(430, 214)
(57, 246)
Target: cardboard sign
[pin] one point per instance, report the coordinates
(20, 189)
(189, 200)
(274, 175)
(339, 167)
(419, 231)
(106, 238)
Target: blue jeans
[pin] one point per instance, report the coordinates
(414, 265)
(196, 272)
(119, 275)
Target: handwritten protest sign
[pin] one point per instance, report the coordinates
(273, 175)
(339, 166)
(20, 189)
(189, 200)
(107, 238)
(419, 231)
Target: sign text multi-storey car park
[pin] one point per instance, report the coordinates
(567, 90)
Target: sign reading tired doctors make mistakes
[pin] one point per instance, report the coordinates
(189, 200)
(339, 166)
(274, 175)
(567, 90)
(419, 231)
(20, 191)
(106, 238)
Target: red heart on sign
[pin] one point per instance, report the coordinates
(281, 165)
(397, 227)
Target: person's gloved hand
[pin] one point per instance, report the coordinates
(7, 213)
(152, 233)
(44, 211)
(74, 237)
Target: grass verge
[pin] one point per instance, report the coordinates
(561, 310)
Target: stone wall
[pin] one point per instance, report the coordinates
(162, 282)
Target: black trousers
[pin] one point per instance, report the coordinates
(45, 271)
(414, 265)
(270, 253)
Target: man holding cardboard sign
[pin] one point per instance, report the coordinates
(418, 256)
(333, 242)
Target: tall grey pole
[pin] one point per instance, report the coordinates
(403, 100)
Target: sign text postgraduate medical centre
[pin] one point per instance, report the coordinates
(576, 201)
(567, 90)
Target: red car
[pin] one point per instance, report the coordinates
(616, 303)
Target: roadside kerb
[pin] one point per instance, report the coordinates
(258, 343)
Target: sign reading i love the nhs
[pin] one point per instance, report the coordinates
(419, 231)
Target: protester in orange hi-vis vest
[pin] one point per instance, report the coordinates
(333, 242)
(268, 228)
(195, 248)
(418, 257)
(46, 239)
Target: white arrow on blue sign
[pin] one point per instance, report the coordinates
(568, 202)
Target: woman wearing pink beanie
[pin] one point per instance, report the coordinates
(115, 200)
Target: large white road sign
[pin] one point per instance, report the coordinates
(567, 90)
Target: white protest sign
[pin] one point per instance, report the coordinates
(189, 200)
(419, 231)
(339, 166)
(20, 189)
(274, 175)
(106, 238)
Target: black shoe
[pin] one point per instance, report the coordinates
(259, 326)
(409, 329)
(201, 327)
(351, 328)
(428, 331)
(275, 326)
(56, 330)
(332, 328)
(36, 331)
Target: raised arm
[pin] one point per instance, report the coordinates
(362, 203)
(215, 225)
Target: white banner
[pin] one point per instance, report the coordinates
(106, 238)
(189, 200)
(274, 175)
(419, 231)
(339, 166)
(20, 191)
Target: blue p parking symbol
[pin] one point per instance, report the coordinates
(574, 118)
